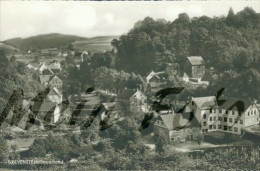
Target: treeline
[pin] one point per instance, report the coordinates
(231, 42)
(14, 75)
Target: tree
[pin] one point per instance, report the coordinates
(70, 47)
(161, 143)
(200, 138)
(4, 152)
(231, 17)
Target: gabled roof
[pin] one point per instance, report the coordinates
(151, 75)
(175, 121)
(44, 107)
(202, 102)
(47, 71)
(35, 64)
(230, 103)
(54, 77)
(227, 103)
(114, 106)
(196, 60)
(138, 92)
(109, 106)
(54, 89)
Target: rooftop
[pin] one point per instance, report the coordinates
(196, 60)
(44, 107)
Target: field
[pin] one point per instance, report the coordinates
(100, 44)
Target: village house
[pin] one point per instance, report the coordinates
(55, 66)
(54, 95)
(37, 66)
(138, 102)
(110, 112)
(194, 70)
(176, 127)
(48, 112)
(156, 81)
(47, 71)
(172, 69)
(229, 115)
(51, 80)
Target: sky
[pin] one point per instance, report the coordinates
(93, 18)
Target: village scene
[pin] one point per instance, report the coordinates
(78, 100)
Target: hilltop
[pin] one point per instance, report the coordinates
(52, 40)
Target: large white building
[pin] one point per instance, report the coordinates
(228, 115)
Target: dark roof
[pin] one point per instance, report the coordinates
(47, 71)
(229, 103)
(43, 107)
(204, 102)
(196, 60)
(175, 121)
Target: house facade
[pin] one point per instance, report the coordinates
(51, 80)
(49, 112)
(55, 66)
(228, 115)
(195, 68)
(156, 81)
(54, 96)
(56, 82)
(138, 102)
(176, 127)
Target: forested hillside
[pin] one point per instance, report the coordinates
(230, 44)
(15, 75)
(43, 41)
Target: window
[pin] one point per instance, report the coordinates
(225, 119)
(225, 127)
(230, 128)
(241, 121)
(255, 112)
(248, 113)
(210, 118)
(210, 110)
(220, 110)
(192, 103)
(172, 139)
(235, 129)
(214, 118)
(226, 111)
(233, 112)
(230, 120)
(215, 110)
(239, 113)
(219, 127)
(204, 116)
(210, 127)
(214, 127)
(235, 120)
(204, 123)
(220, 118)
